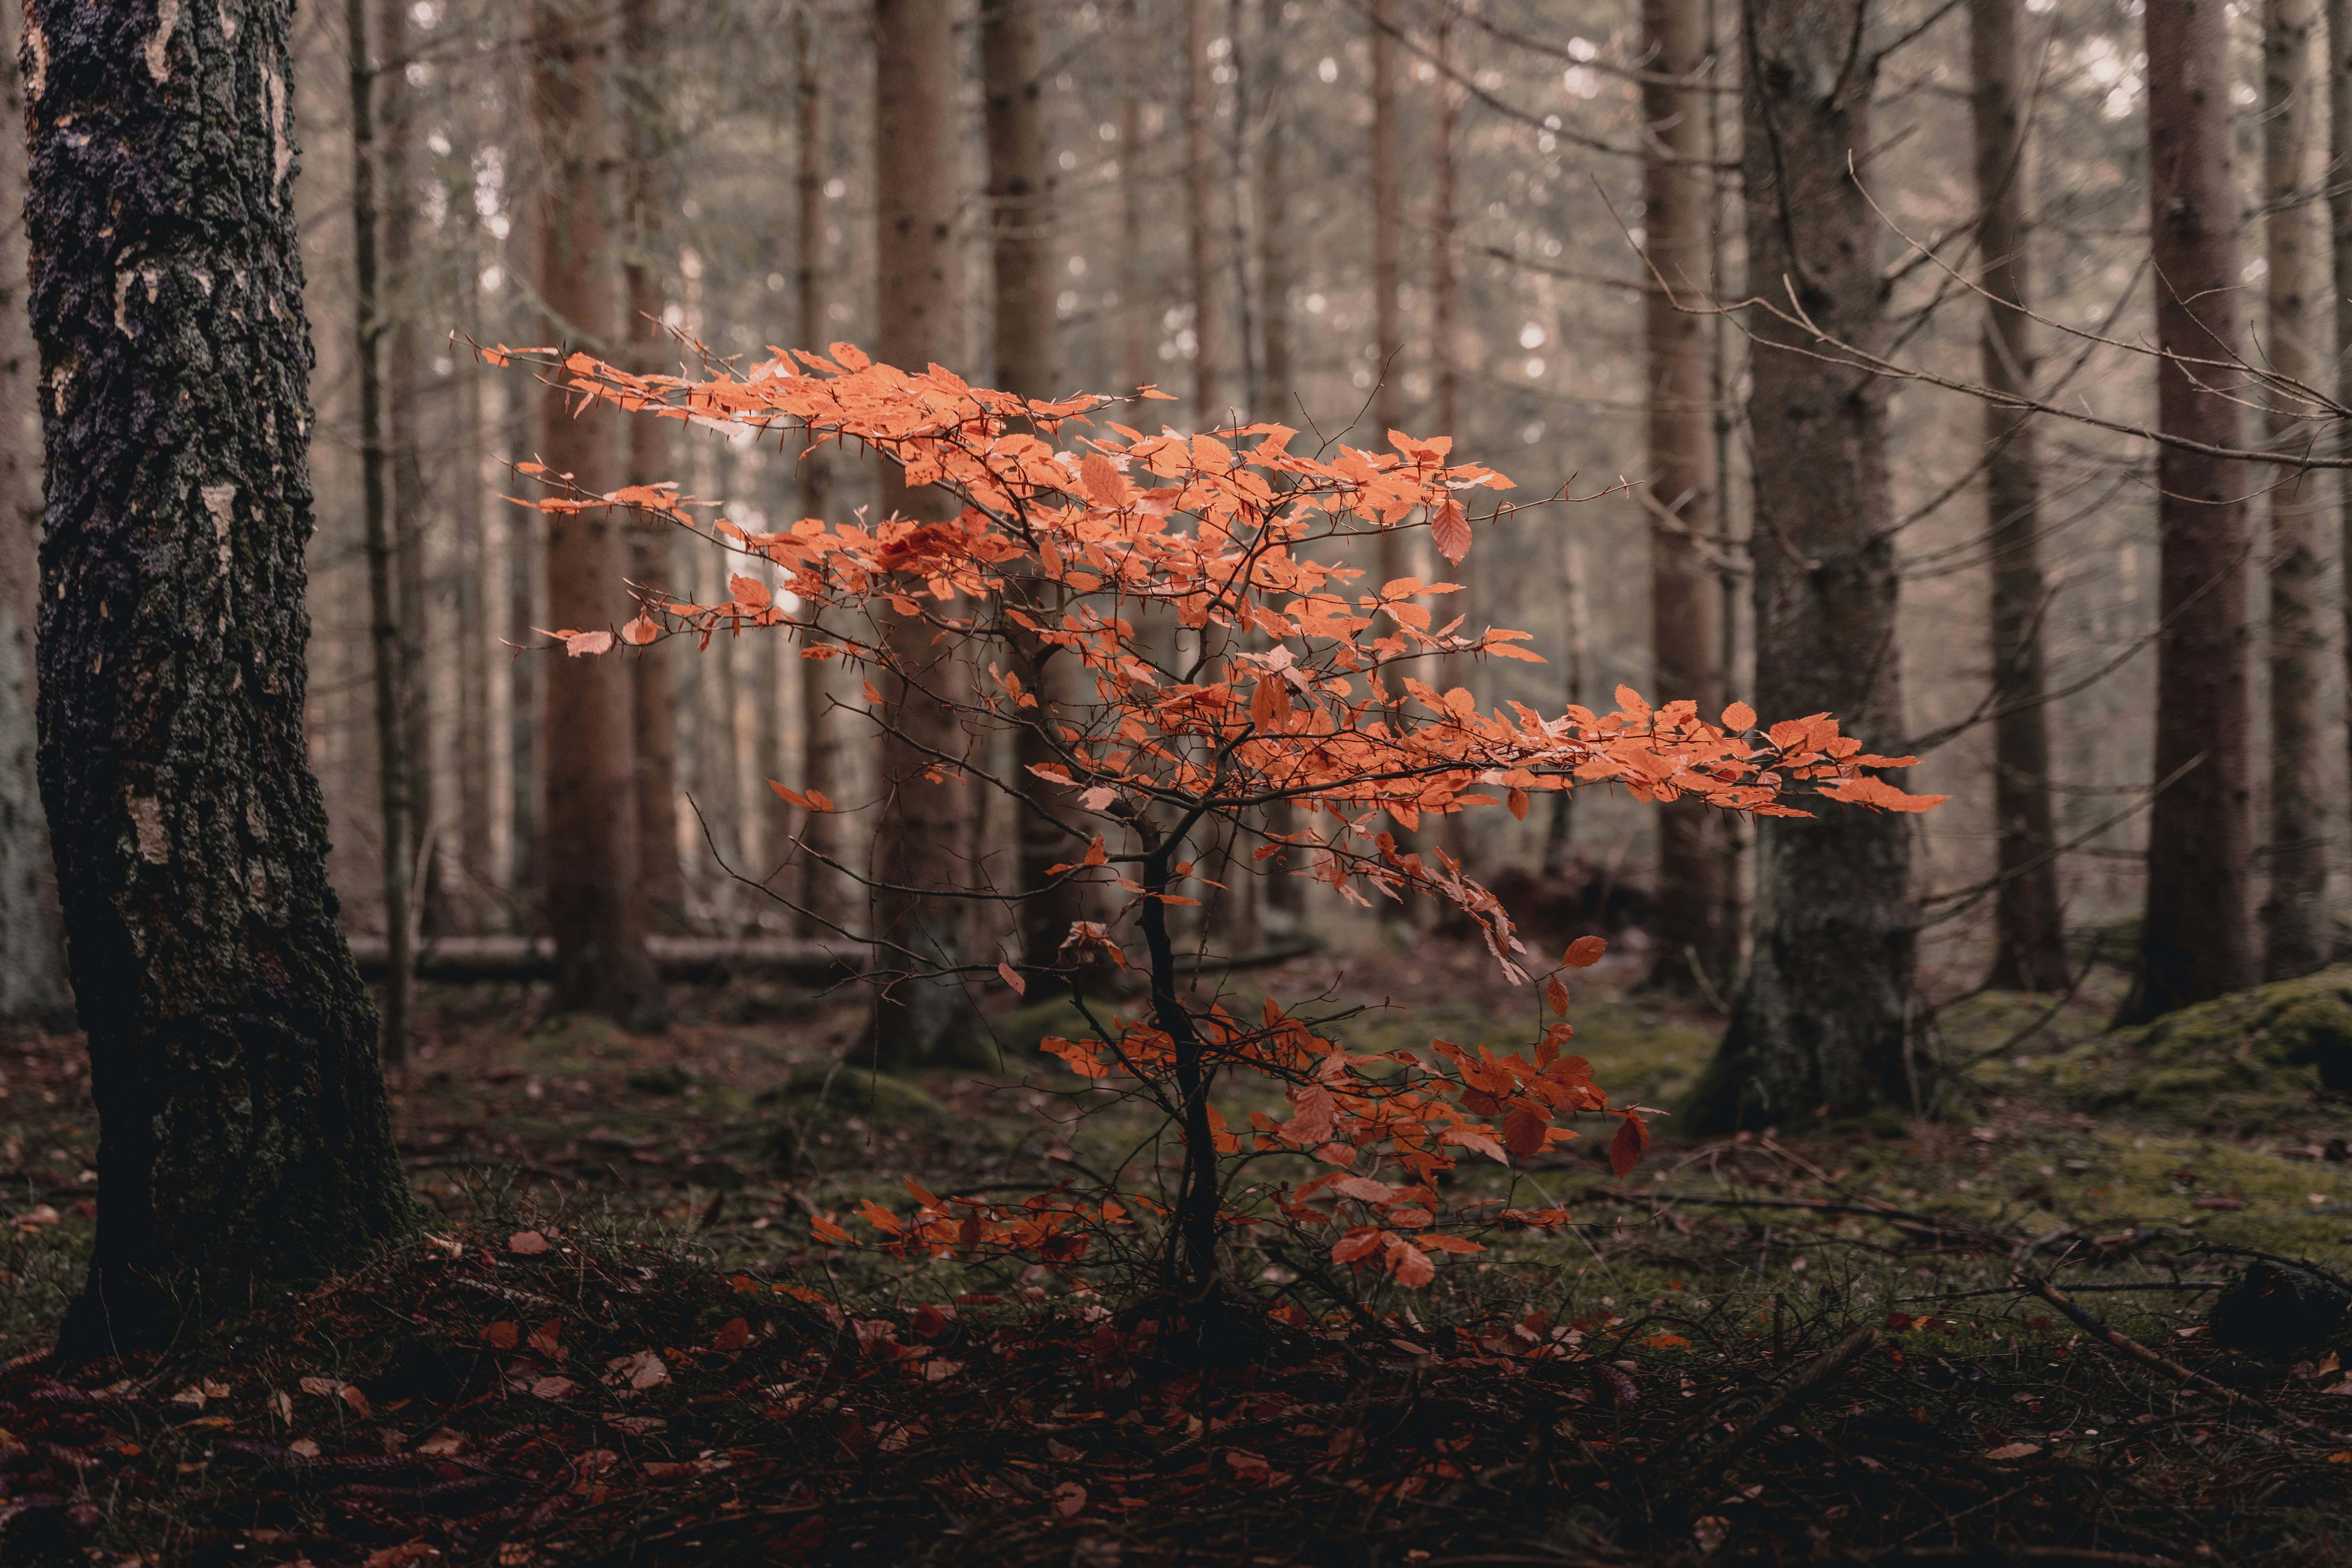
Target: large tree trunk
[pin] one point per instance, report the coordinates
(2029, 934)
(1820, 1019)
(1686, 601)
(594, 908)
(243, 1138)
(922, 1019)
(395, 778)
(1022, 214)
(661, 876)
(33, 982)
(2197, 940)
(2339, 226)
(821, 839)
(2295, 918)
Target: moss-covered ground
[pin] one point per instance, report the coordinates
(622, 1342)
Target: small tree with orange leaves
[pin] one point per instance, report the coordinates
(1298, 687)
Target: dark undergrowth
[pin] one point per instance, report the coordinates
(1978, 1341)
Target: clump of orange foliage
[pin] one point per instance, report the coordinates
(1057, 537)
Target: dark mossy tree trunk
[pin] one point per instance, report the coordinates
(33, 981)
(2029, 932)
(2198, 937)
(243, 1138)
(1821, 1021)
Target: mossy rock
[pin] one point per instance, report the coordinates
(836, 1091)
(669, 1079)
(2281, 1050)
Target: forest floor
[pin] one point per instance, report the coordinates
(619, 1341)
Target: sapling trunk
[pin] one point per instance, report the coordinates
(1192, 1248)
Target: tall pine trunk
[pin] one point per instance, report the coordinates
(1270, 198)
(33, 982)
(661, 875)
(1021, 205)
(921, 1019)
(2294, 917)
(1686, 601)
(1212, 353)
(2196, 938)
(395, 778)
(820, 888)
(1819, 1023)
(1395, 551)
(244, 1137)
(2029, 933)
(593, 907)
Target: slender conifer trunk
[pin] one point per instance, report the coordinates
(1686, 605)
(920, 843)
(2029, 934)
(593, 906)
(2198, 936)
(2294, 916)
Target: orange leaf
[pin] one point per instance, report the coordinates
(1358, 1243)
(641, 631)
(732, 1335)
(1450, 531)
(1556, 995)
(579, 643)
(1584, 952)
(1095, 854)
(1410, 1264)
(1625, 1150)
(502, 1336)
(527, 1242)
(1523, 1130)
(1102, 476)
(1012, 977)
(1517, 799)
(793, 796)
(1738, 717)
(1880, 795)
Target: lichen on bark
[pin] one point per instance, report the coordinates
(245, 1138)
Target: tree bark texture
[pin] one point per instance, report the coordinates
(1820, 1020)
(594, 910)
(2294, 916)
(33, 981)
(922, 1019)
(823, 911)
(661, 876)
(2196, 938)
(2029, 931)
(1022, 215)
(1685, 603)
(1212, 352)
(244, 1138)
(1277, 399)
(2339, 231)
